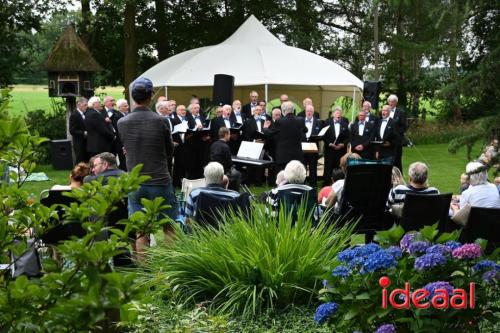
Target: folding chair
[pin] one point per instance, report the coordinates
(364, 197)
(420, 210)
(483, 223)
(211, 207)
(292, 199)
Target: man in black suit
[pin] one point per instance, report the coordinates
(336, 139)
(399, 117)
(253, 130)
(225, 121)
(362, 134)
(181, 151)
(247, 108)
(370, 116)
(220, 152)
(114, 116)
(78, 131)
(163, 108)
(387, 132)
(314, 126)
(238, 116)
(288, 133)
(307, 101)
(100, 134)
(198, 143)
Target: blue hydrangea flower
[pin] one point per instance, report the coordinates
(378, 260)
(429, 260)
(418, 247)
(431, 287)
(346, 255)
(485, 265)
(452, 244)
(439, 248)
(325, 283)
(408, 239)
(367, 249)
(324, 311)
(386, 328)
(341, 271)
(491, 276)
(356, 262)
(394, 251)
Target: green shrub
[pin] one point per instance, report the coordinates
(51, 125)
(431, 132)
(247, 266)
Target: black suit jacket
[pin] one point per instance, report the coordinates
(247, 110)
(343, 135)
(192, 122)
(220, 152)
(390, 138)
(217, 123)
(100, 135)
(365, 139)
(400, 120)
(317, 125)
(244, 117)
(250, 128)
(288, 132)
(77, 128)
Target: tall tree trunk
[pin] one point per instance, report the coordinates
(454, 97)
(84, 28)
(161, 29)
(401, 89)
(130, 45)
(376, 73)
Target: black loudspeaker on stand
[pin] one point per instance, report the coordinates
(62, 156)
(223, 89)
(371, 91)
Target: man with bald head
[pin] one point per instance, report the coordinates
(307, 101)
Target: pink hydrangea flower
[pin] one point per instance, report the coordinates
(467, 251)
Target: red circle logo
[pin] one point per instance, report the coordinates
(384, 282)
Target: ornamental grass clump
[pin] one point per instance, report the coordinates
(247, 266)
(421, 265)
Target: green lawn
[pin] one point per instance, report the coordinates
(31, 97)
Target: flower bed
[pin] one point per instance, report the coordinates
(442, 285)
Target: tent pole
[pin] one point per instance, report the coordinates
(166, 92)
(353, 103)
(265, 92)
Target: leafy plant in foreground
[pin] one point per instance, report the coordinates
(248, 266)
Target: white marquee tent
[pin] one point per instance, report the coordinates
(258, 61)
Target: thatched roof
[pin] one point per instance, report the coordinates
(70, 54)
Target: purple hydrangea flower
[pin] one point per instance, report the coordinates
(386, 328)
(439, 248)
(418, 247)
(341, 271)
(452, 244)
(429, 261)
(408, 239)
(324, 311)
(394, 251)
(378, 260)
(486, 264)
(431, 287)
(467, 251)
(491, 276)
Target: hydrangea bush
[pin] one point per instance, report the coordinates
(352, 295)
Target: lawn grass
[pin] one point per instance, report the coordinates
(31, 97)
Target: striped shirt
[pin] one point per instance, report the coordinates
(215, 189)
(397, 194)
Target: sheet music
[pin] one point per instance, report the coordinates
(180, 128)
(250, 149)
(323, 131)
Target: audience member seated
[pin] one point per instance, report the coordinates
(417, 173)
(295, 175)
(79, 172)
(335, 195)
(464, 182)
(104, 165)
(216, 185)
(337, 174)
(480, 193)
(397, 177)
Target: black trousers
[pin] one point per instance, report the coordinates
(311, 164)
(332, 161)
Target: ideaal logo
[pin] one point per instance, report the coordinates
(423, 299)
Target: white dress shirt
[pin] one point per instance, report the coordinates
(361, 128)
(227, 122)
(239, 120)
(259, 125)
(336, 126)
(81, 114)
(382, 128)
(309, 124)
